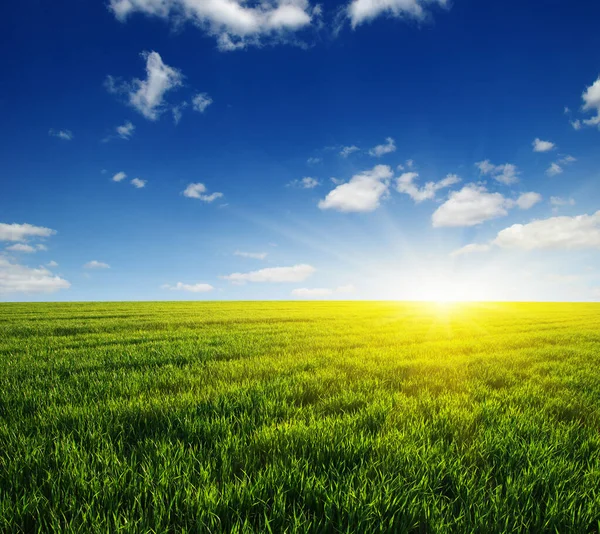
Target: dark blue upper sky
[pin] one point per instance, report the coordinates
(455, 96)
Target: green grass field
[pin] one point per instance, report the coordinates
(299, 417)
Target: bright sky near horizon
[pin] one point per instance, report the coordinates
(289, 149)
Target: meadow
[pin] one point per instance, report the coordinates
(299, 417)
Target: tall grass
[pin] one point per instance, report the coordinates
(310, 417)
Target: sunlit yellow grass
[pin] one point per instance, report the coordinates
(299, 417)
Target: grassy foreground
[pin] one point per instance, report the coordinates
(299, 417)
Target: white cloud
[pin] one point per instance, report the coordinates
(362, 193)
(197, 191)
(313, 161)
(591, 99)
(506, 174)
(405, 184)
(564, 233)
(554, 169)
(558, 201)
(95, 264)
(297, 273)
(472, 205)
(125, 131)
(557, 166)
(65, 135)
(52, 263)
(39, 246)
(22, 232)
(542, 146)
(317, 292)
(360, 11)
(201, 101)
(564, 278)
(120, 176)
(347, 150)
(410, 163)
(15, 278)
(234, 23)
(528, 200)
(380, 150)
(309, 293)
(349, 288)
(576, 124)
(21, 247)
(178, 111)
(138, 183)
(305, 183)
(253, 255)
(147, 96)
(192, 288)
(469, 249)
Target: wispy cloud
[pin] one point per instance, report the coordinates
(380, 150)
(554, 169)
(296, 273)
(470, 249)
(528, 200)
(506, 174)
(405, 184)
(21, 247)
(320, 292)
(347, 150)
(198, 191)
(192, 288)
(305, 183)
(139, 183)
(95, 264)
(178, 111)
(559, 201)
(65, 135)
(557, 167)
(201, 101)
(125, 131)
(147, 96)
(253, 255)
(119, 177)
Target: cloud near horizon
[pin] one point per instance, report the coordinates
(296, 273)
(192, 288)
(95, 264)
(15, 278)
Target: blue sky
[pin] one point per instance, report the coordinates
(285, 149)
